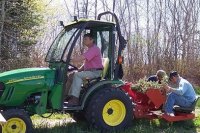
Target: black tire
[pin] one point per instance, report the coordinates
(17, 121)
(102, 104)
(78, 116)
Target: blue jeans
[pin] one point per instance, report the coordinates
(174, 99)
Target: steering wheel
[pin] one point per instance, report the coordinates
(72, 67)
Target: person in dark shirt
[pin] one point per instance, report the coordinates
(160, 74)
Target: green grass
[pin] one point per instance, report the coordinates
(64, 124)
(197, 89)
(198, 104)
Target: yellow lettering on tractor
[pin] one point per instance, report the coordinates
(25, 79)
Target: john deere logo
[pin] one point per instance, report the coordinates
(25, 79)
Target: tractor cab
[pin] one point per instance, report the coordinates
(69, 43)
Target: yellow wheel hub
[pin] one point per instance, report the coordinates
(114, 112)
(14, 125)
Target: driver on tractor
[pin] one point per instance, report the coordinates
(92, 68)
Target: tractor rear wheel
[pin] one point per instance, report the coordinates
(18, 121)
(110, 109)
(78, 116)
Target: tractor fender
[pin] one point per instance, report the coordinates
(97, 87)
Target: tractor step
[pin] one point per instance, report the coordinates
(71, 108)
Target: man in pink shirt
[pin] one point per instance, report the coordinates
(91, 68)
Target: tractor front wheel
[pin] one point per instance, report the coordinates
(110, 109)
(18, 121)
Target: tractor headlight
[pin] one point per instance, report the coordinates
(2, 88)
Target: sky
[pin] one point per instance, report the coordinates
(65, 8)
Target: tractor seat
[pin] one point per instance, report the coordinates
(186, 109)
(105, 62)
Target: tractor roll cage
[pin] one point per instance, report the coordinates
(122, 41)
(118, 71)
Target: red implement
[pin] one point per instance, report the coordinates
(149, 105)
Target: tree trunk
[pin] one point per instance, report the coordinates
(95, 14)
(148, 39)
(137, 33)
(2, 23)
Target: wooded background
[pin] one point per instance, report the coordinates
(161, 34)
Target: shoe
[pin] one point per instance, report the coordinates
(171, 114)
(67, 98)
(73, 101)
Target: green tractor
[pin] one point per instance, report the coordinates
(28, 91)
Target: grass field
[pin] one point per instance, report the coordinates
(63, 123)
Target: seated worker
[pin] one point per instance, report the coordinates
(160, 74)
(92, 68)
(184, 95)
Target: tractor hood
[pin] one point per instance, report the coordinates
(26, 74)
(17, 85)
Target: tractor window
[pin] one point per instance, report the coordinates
(103, 42)
(59, 44)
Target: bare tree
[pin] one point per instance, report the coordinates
(149, 51)
(95, 13)
(2, 22)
